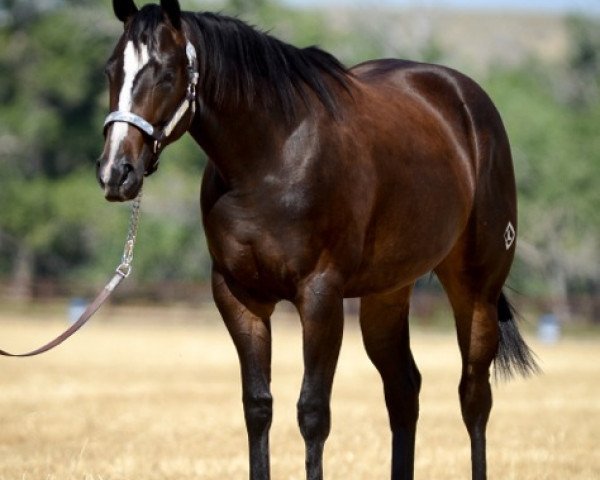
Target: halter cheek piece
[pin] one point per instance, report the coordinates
(160, 134)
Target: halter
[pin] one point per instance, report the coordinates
(160, 134)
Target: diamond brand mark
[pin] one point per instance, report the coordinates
(509, 235)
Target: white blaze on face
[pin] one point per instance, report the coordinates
(133, 62)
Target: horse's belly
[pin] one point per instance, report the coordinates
(391, 273)
(408, 238)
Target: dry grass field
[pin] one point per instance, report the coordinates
(132, 398)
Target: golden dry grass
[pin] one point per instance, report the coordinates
(131, 398)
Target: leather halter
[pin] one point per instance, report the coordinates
(159, 135)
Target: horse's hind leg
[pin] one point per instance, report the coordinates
(248, 322)
(384, 324)
(474, 297)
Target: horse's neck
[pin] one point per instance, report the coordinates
(242, 142)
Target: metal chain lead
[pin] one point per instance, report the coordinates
(124, 268)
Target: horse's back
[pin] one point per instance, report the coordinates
(449, 95)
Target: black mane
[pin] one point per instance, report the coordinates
(245, 63)
(240, 63)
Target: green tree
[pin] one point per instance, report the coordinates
(54, 221)
(50, 90)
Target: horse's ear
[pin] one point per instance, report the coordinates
(124, 9)
(173, 12)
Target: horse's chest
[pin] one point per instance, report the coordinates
(245, 245)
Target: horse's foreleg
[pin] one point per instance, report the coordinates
(321, 310)
(248, 322)
(384, 324)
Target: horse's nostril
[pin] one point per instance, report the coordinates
(127, 169)
(98, 175)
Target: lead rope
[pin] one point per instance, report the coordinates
(122, 271)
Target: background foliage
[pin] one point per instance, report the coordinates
(56, 229)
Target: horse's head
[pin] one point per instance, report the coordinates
(152, 75)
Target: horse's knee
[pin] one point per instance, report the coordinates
(314, 419)
(258, 411)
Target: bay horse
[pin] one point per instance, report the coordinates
(323, 183)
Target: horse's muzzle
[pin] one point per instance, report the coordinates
(119, 181)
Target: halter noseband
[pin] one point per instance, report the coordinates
(160, 134)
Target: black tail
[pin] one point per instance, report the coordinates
(514, 356)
